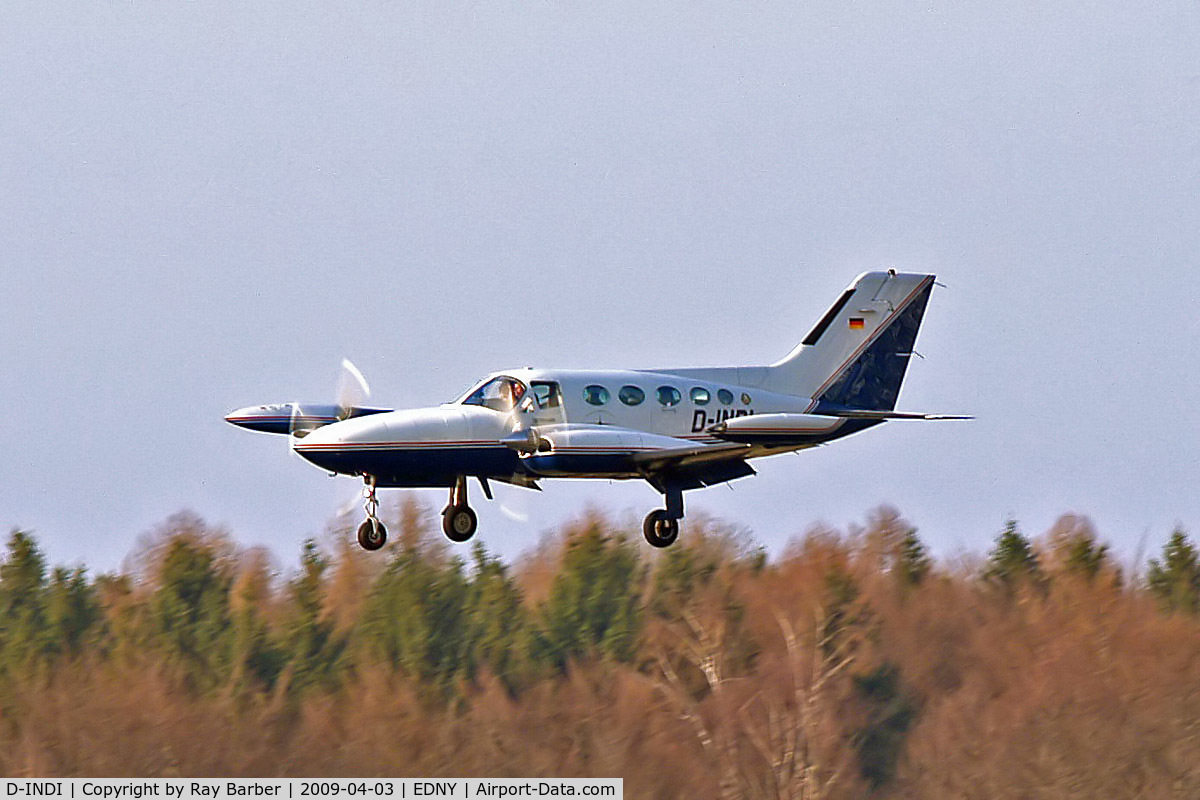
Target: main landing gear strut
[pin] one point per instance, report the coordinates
(371, 534)
(458, 520)
(661, 526)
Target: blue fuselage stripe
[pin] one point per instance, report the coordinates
(417, 464)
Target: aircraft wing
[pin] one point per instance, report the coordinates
(692, 466)
(689, 455)
(827, 409)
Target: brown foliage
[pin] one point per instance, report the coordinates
(747, 680)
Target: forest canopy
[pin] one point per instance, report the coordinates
(854, 663)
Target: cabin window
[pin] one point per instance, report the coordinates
(595, 394)
(547, 393)
(631, 395)
(725, 396)
(669, 396)
(498, 394)
(745, 399)
(700, 395)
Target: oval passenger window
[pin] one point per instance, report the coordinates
(669, 396)
(631, 395)
(595, 394)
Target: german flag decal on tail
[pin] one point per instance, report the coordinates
(857, 323)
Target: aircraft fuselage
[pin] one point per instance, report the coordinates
(594, 421)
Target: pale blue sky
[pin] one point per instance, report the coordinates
(204, 206)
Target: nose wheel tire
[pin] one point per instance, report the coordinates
(660, 530)
(372, 535)
(459, 523)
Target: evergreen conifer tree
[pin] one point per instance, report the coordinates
(190, 611)
(23, 634)
(1012, 560)
(1175, 580)
(72, 610)
(415, 617)
(594, 606)
(912, 559)
(497, 623)
(312, 648)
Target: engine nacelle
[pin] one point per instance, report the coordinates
(774, 428)
(600, 450)
(296, 418)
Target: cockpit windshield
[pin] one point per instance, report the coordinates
(498, 394)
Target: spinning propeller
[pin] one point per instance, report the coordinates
(350, 398)
(525, 439)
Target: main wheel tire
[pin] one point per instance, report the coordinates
(459, 523)
(660, 530)
(372, 535)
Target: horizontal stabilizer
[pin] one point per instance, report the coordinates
(831, 410)
(900, 415)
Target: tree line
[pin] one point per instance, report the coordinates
(853, 664)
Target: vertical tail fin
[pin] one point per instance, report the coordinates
(858, 352)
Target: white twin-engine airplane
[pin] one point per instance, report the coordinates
(677, 429)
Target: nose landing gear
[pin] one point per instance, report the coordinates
(458, 520)
(371, 534)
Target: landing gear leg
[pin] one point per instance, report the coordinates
(458, 520)
(661, 527)
(371, 534)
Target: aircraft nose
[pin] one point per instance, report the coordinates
(340, 447)
(323, 447)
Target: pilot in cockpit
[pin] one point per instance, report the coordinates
(511, 393)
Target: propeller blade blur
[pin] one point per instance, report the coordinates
(352, 388)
